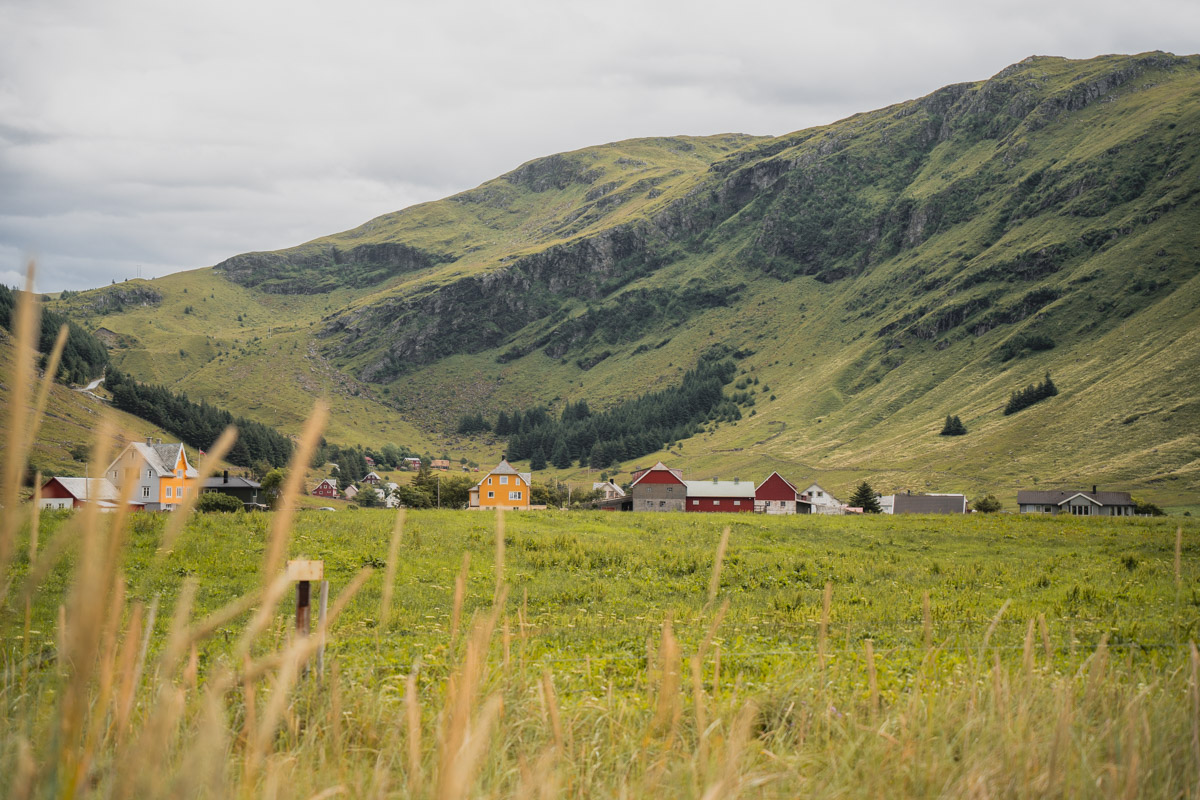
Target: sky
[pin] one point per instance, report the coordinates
(144, 137)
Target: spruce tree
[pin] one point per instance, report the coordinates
(560, 457)
(864, 498)
(537, 461)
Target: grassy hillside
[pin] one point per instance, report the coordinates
(876, 274)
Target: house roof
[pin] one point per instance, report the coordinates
(740, 489)
(929, 504)
(609, 485)
(218, 482)
(505, 468)
(1058, 498)
(369, 474)
(88, 488)
(331, 481)
(788, 483)
(159, 457)
(659, 467)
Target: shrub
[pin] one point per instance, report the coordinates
(988, 504)
(218, 501)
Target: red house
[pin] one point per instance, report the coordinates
(777, 495)
(326, 488)
(729, 496)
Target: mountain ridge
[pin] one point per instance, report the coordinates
(881, 271)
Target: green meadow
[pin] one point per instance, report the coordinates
(628, 653)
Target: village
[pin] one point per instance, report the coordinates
(157, 476)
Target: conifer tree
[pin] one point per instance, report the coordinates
(864, 498)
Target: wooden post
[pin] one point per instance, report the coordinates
(304, 572)
(321, 611)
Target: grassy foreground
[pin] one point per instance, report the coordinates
(1051, 657)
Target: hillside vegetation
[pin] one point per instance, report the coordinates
(875, 275)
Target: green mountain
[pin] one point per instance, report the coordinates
(874, 275)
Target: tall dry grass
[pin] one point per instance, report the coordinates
(126, 710)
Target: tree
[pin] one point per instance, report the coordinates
(272, 485)
(1143, 509)
(561, 456)
(864, 498)
(953, 427)
(218, 501)
(537, 461)
(412, 497)
(368, 497)
(987, 504)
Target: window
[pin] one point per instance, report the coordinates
(1048, 509)
(670, 489)
(514, 495)
(489, 483)
(145, 491)
(491, 494)
(820, 494)
(695, 502)
(737, 502)
(169, 490)
(62, 505)
(503, 479)
(149, 473)
(178, 473)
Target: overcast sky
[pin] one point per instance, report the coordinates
(155, 136)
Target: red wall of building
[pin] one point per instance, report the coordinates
(775, 488)
(660, 476)
(719, 504)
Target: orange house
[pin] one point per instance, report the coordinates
(161, 474)
(503, 487)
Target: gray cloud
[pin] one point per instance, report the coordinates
(171, 137)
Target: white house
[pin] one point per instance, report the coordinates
(822, 501)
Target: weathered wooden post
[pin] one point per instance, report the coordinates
(304, 572)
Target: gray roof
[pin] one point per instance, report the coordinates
(743, 489)
(1057, 498)
(89, 488)
(929, 504)
(505, 468)
(159, 457)
(236, 483)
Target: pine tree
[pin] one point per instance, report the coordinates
(953, 427)
(560, 457)
(864, 498)
(537, 461)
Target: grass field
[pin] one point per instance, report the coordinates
(565, 654)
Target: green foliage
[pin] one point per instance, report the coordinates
(84, 356)
(218, 501)
(988, 504)
(471, 424)
(630, 429)
(1147, 509)
(412, 497)
(864, 498)
(1033, 393)
(1022, 343)
(953, 427)
(198, 424)
(271, 486)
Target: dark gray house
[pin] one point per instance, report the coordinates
(923, 504)
(1081, 504)
(243, 489)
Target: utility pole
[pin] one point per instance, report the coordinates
(439, 489)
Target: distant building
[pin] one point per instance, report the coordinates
(1081, 504)
(728, 496)
(326, 488)
(411, 462)
(440, 463)
(923, 504)
(777, 495)
(608, 490)
(351, 492)
(503, 487)
(65, 493)
(658, 488)
(243, 489)
(372, 478)
(161, 475)
(821, 501)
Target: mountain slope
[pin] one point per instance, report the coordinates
(876, 274)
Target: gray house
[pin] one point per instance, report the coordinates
(658, 489)
(1081, 504)
(243, 489)
(923, 504)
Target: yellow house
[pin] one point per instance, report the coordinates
(160, 473)
(503, 487)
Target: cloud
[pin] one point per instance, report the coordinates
(144, 133)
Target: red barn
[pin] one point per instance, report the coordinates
(777, 495)
(658, 489)
(326, 488)
(733, 496)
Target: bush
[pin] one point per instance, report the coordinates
(1143, 509)
(218, 501)
(987, 504)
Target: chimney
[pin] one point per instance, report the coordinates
(225, 476)
(158, 441)
(149, 440)
(714, 478)
(1093, 488)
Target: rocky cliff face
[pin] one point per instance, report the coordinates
(314, 270)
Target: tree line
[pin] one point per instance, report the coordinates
(1033, 393)
(198, 424)
(84, 356)
(626, 431)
